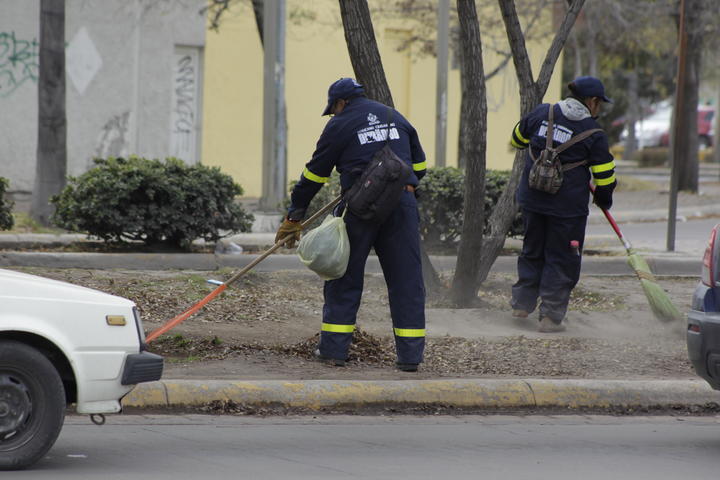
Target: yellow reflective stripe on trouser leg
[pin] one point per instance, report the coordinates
(337, 328)
(409, 332)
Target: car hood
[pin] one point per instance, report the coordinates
(21, 285)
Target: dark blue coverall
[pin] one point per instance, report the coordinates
(347, 143)
(548, 266)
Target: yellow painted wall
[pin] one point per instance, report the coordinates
(316, 55)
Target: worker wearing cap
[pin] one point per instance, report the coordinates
(549, 265)
(359, 128)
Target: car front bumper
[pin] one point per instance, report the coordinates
(142, 367)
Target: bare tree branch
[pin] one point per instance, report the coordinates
(558, 43)
(521, 60)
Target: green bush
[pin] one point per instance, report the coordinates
(441, 205)
(151, 201)
(652, 157)
(6, 218)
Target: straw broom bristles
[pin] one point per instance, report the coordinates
(658, 299)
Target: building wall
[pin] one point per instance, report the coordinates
(316, 55)
(125, 78)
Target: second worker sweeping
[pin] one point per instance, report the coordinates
(553, 195)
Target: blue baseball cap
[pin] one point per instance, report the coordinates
(588, 87)
(344, 88)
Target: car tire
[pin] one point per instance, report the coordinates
(32, 405)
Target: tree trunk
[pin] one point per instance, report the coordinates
(368, 68)
(531, 93)
(363, 50)
(577, 65)
(473, 143)
(258, 8)
(51, 166)
(685, 148)
(633, 114)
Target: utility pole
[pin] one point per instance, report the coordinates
(676, 156)
(274, 163)
(442, 76)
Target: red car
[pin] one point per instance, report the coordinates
(705, 130)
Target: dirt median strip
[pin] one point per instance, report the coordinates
(461, 393)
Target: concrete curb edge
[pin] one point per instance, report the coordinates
(459, 393)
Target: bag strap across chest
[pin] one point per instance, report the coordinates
(564, 146)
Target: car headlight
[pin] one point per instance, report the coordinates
(140, 329)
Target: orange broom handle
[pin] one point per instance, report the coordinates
(183, 316)
(613, 223)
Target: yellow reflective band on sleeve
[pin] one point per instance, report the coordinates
(520, 135)
(603, 167)
(336, 328)
(516, 144)
(604, 181)
(419, 166)
(409, 332)
(314, 178)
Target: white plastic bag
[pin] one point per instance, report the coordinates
(326, 249)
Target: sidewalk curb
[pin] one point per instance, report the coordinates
(464, 393)
(592, 265)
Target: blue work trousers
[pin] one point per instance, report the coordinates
(397, 245)
(548, 266)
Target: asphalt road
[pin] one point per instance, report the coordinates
(487, 447)
(691, 236)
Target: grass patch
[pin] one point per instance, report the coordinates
(26, 224)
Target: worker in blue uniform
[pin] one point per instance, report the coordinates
(358, 128)
(554, 224)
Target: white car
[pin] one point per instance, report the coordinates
(649, 130)
(62, 344)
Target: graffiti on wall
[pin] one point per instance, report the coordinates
(18, 62)
(112, 140)
(183, 118)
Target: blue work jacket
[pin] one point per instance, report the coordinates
(571, 117)
(348, 143)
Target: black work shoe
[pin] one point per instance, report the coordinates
(407, 367)
(330, 361)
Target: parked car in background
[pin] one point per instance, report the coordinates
(654, 130)
(649, 130)
(705, 122)
(703, 332)
(62, 344)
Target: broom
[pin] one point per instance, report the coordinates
(222, 286)
(660, 303)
